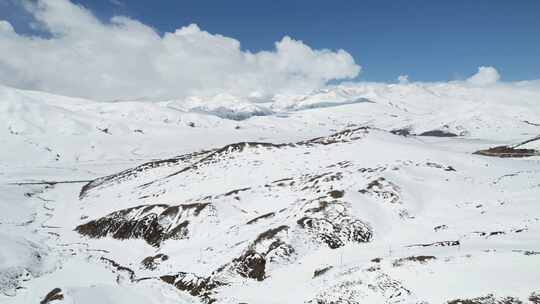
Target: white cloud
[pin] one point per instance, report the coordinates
(403, 79)
(124, 58)
(486, 75)
(5, 27)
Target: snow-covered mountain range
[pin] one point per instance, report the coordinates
(357, 193)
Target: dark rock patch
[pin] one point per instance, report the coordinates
(330, 224)
(527, 252)
(506, 151)
(401, 132)
(438, 133)
(489, 299)
(422, 259)
(197, 286)
(118, 267)
(53, 295)
(319, 272)
(439, 166)
(264, 216)
(339, 137)
(270, 233)
(437, 244)
(382, 189)
(236, 191)
(535, 298)
(251, 265)
(282, 180)
(267, 247)
(153, 223)
(335, 233)
(440, 227)
(351, 292)
(336, 193)
(152, 262)
(531, 123)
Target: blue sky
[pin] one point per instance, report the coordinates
(427, 40)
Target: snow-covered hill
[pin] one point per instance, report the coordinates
(359, 193)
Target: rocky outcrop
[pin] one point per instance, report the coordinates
(269, 246)
(153, 223)
(328, 222)
(520, 150)
(197, 286)
(152, 262)
(383, 189)
(489, 299)
(506, 151)
(52, 296)
(438, 133)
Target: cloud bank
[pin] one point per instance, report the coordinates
(124, 59)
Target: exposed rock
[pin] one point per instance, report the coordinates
(437, 244)
(152, 262)
(422, 259)
(328, 223)
(270, 234)
(251, 265)
(383, 189)
(319, 272)
(351, 291)
(339, 137)
(153, 223)
(53, 295)
(438, 133)
(120, 268)
(201, 287)
(236, 191)
(440, 227)
(506, 151)
(336, 194)
(269, 246)
(344, 292)
(489, 299)
(264, 216)
(401, 132)
(535, 298)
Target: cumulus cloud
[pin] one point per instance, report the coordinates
(124, 58)
(403, 79)
(486, 75)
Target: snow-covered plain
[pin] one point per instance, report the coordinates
(330, 197)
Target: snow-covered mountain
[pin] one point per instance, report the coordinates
(358, 193)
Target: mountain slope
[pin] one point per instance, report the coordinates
(320, 201)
